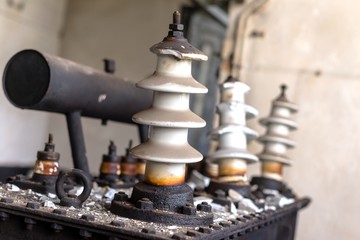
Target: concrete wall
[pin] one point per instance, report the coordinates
(35, 24)
(313, 46)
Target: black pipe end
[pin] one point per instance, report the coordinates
(26, 78)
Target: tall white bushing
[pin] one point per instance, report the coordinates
(276, 138)
(232, 134)
(167, 149)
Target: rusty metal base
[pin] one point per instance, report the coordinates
(268, 183)
(114, 184)
(46, 186)
(168, 205)
(20, 222)
(243, 189)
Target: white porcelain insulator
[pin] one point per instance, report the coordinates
(276, 138)
(232, 134)
(167, 149)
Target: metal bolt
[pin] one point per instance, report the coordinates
(33, 205)
(113, 238)
(179, 236)
(7, 200)
(241, 219)
(121, 196)
(247, 217)
(235, 222)
(60, 211)
(204, 206)
(188, 210)
(85, 233)
(145, 204)
(220, 193)
(29, 223)
(4, 216)
(193, 233)
(117, 223)
(225, 224)
(20, 177)
(204, 230)
(215, 227)
(56, 227)
(148, 230)
(88, 217)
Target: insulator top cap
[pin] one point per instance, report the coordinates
(176, 45)
(282, 101)
(49, 153)
(111, 156)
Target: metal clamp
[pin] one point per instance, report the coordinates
(67, 199)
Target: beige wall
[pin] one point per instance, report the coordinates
(36, 25)
(314, 47)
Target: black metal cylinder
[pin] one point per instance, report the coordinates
(34, 80)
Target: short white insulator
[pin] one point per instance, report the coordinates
(167, 149)
(232, 134)
(276, 138)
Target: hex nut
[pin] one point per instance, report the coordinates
(60, 211)
(148, 230)
(189, 210)
(88, 217)
(117, 223)
(145, 204)
(33, 205)
(204, 206)
(121, 196)
(192, 233)
(179, 236)
(204, 230)
(224, 224)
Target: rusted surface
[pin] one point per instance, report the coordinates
(230, 167)
(110, 165)
(46, 167)
(128, 168)
(110, 168)
(164, 174)
(272, 168)
(140, 167)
